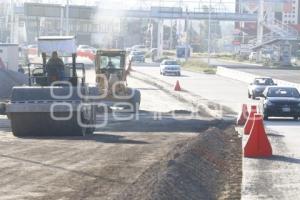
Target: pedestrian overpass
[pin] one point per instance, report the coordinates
(89, 12)
(177, 13)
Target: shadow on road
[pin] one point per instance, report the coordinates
(285, 159)
(148, 89)
(275, 135)
(106, 138)
(171, 122)
(103, 138)
(282, 122)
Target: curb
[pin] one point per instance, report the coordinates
(213, 109)
(238, 62)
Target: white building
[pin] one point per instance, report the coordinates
(290, 12)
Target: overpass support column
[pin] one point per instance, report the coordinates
(160, 38)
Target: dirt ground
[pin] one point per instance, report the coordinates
(195, 169)
(155, 156)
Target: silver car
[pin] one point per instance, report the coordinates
(170, 67)
(257, 87)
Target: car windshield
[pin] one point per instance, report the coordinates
(283, 92)
(263, 81)
(171, 62)
(137, 53)
(110, 62)
(139, 47)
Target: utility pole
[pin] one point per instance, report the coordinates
(186, 35)
(160, 35)
(12, 20)
(260, 28)
(61, 32)
(209, 32)
(67, 18)
(171, 35)
(151, 34)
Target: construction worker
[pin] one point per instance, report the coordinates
(55, 68)
(21, 69)
(110, 63)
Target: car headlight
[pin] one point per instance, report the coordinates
(269, 103)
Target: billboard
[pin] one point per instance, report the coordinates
(54, 10)
(42, 10)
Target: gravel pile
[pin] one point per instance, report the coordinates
(207, 167)
(9, 79)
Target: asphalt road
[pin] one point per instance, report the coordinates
(291, 74)
(228, 92)
(281, 173)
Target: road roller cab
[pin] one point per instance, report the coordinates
(50, 106)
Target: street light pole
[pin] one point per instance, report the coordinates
(61, 20)
(67, 18)
(186, 51)
(260, 28)
(12, 21)
(209, 32)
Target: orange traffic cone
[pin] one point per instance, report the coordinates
(243, 116)
(250, 120)
(258, 144)
(177, 86)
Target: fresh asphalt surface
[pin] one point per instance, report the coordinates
(100, 166)
(276, 178)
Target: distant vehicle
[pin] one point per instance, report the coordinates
(170, 67)
(295, 60)
(257, 87)
(137, 56)
(142, 48)
(285, 59)
(32, 50)
(87, 47)
(252, 56)
(281, 102)
(86, 51)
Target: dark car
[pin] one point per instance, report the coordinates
(281, 102)
(257, 87)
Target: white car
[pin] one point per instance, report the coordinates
(170, 67)
(86, 48)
